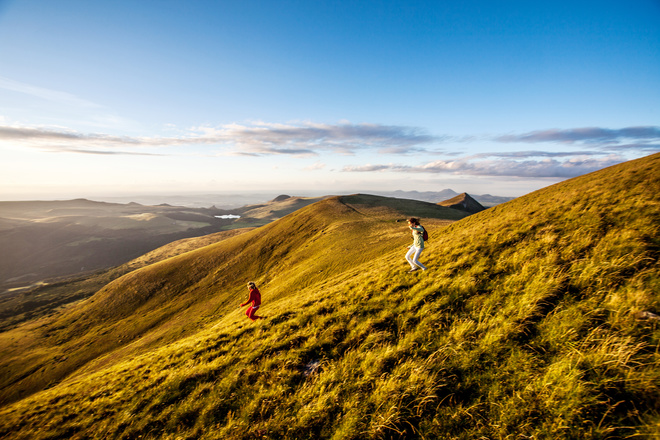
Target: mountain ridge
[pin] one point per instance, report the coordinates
(487, 200)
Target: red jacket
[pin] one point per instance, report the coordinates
(255, 297)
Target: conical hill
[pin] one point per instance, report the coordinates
(464, 202)
(524, 326)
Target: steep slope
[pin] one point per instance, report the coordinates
(523, 327)
(137, 311)
(464, 202)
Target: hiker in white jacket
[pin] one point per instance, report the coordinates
(418, 245)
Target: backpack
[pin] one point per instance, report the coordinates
(425, 235)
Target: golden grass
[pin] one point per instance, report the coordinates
(523, 327)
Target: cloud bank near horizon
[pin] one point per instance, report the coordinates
(547, 168)
(588, 135)
(598, 147)
(258, 139)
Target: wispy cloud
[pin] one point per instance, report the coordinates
(501, 167)
(599, 147)
(39, 134)
(315, 166)
(63, 141)
(535, 153)
(629, 138)
(258, 139)
(43, 93)
(643, 147)
(311, 138)
(107, 153)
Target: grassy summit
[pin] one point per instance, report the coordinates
(524, 327)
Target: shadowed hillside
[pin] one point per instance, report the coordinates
(42, 240)
(524, 326)
(20, 306)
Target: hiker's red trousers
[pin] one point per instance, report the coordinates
(250, 312)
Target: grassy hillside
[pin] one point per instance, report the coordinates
(264, 213)
(524, 327)
(46, 240)
(173, 298)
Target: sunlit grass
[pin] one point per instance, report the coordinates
(523, 327)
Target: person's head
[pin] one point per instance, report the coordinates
(251, 285)
(413, 221)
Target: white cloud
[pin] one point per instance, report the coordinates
(258, 139)
(306, 139)
(640, 138)
(315, 166)
(501, 167)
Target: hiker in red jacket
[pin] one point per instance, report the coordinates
(255, 299)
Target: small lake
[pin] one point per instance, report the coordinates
(227, 216)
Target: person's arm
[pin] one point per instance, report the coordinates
(250, 299)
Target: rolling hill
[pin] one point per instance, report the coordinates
(46, 241)
(524, 326)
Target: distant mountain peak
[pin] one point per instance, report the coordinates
(463, 202)
(281, 198)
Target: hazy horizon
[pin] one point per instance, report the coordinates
(220, 199)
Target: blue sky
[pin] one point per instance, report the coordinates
(121, 97)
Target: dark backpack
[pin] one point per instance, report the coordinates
(425, 235)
